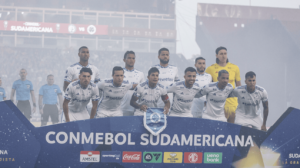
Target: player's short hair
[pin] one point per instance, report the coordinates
(163, 49)
(117, 68)
(250, 74)
(23, 69)
(49, 75)
(222, 71)
(82, 48)
(128, 52)
(217, 52)
(199, 58)
(86, 70)
(190, 69)
(152, 70)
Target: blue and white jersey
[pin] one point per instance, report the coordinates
(249, 103)
(215, 99)
(167, 76)
(182, 98)
(133, 77)
(73, 72)
(198, 103)
(2, 94)
(79, 98)
(49, 93)
(148, 96)
(23, 89)
(112, 97)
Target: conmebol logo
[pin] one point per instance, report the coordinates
(31, 24)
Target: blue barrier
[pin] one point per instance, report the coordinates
(124, 142)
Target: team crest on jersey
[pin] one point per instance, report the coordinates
(155, 121)
(28, 86)
(55, 90)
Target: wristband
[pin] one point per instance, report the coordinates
(34, 105)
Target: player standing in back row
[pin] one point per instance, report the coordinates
(234, 79)
(168, 74)
(202, 79)
(73, 71)
(133, 76)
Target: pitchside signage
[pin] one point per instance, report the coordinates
(124, 142)
(41, 27)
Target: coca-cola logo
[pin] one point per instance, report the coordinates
(131, 157)
(134, 157)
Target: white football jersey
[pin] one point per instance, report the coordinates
(215, 100)
(167, 76)
(133, 77)
(79, 98)
(73, 72)
(198, 103)
(249, 103)
(182, 98)
(112, 96)
(148, 96)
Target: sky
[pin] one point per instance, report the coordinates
(186, 11)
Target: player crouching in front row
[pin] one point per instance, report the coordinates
(148, 93)
(78, 95)
(250, 97)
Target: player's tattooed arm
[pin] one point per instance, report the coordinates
(94, 109)
(133, 86)
(134, 104)
(66, 109)
(66, 84)
(166, 100)
(266, 113)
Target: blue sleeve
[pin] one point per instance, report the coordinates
(31, 86)
(14, 85)
(58, 90)
(41, 91)
(4, 95)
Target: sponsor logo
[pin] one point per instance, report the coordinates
(89, 156)
(132, 157)
(193, 157)
(152, 157)
(111, 156)
(172, 157)
(213, 157)
(2, 159)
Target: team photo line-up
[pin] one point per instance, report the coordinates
(213, 93)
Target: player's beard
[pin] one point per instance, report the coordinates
(199, 70)
(163, 61)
